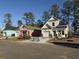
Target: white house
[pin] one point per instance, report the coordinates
(55, 28)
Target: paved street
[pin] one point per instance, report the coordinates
(15, 50)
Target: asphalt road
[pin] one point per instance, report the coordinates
(14, 50)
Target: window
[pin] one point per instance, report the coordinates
(59, 32)
(53, 24)
(62, 32)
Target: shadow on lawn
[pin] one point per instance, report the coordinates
(71, 45)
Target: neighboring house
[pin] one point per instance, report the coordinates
(24, 31)
(29, 31)
(10, 31)
(55, 28)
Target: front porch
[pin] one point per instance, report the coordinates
(59, 34)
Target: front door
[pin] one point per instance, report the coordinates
(54, 32)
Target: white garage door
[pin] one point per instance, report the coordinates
(46, 34)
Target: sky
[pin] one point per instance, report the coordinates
(18, 7)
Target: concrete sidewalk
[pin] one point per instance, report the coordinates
(42, 40)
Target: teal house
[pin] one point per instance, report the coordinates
(11, 31)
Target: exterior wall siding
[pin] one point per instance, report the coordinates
(50, 23)
(57, 32)
(47, 30)
(55, 22)
(10, 33)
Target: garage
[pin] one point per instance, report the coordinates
(46, 33)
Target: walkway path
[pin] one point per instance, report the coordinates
(41, 40)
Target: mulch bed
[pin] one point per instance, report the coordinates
(67, 40)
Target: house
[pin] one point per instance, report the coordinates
(54, 27)
(20, 32)
(24, 31)
(10, 31)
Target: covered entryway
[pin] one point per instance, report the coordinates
(24, 32)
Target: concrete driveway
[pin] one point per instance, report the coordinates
(15, 50)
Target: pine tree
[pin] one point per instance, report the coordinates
(54, 10)
(29, 18)
(45, 17)
(7, 19)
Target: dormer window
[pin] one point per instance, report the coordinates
(53, 24)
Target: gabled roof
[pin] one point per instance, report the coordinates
(23, 27)
(59, 29)
(62, 23)
(10, 28)
(51, 19)
(61, 26)
(48, 26)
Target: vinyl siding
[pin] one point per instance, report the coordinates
(10, 32)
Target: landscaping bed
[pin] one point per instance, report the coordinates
(13, 38)
(65, 40)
